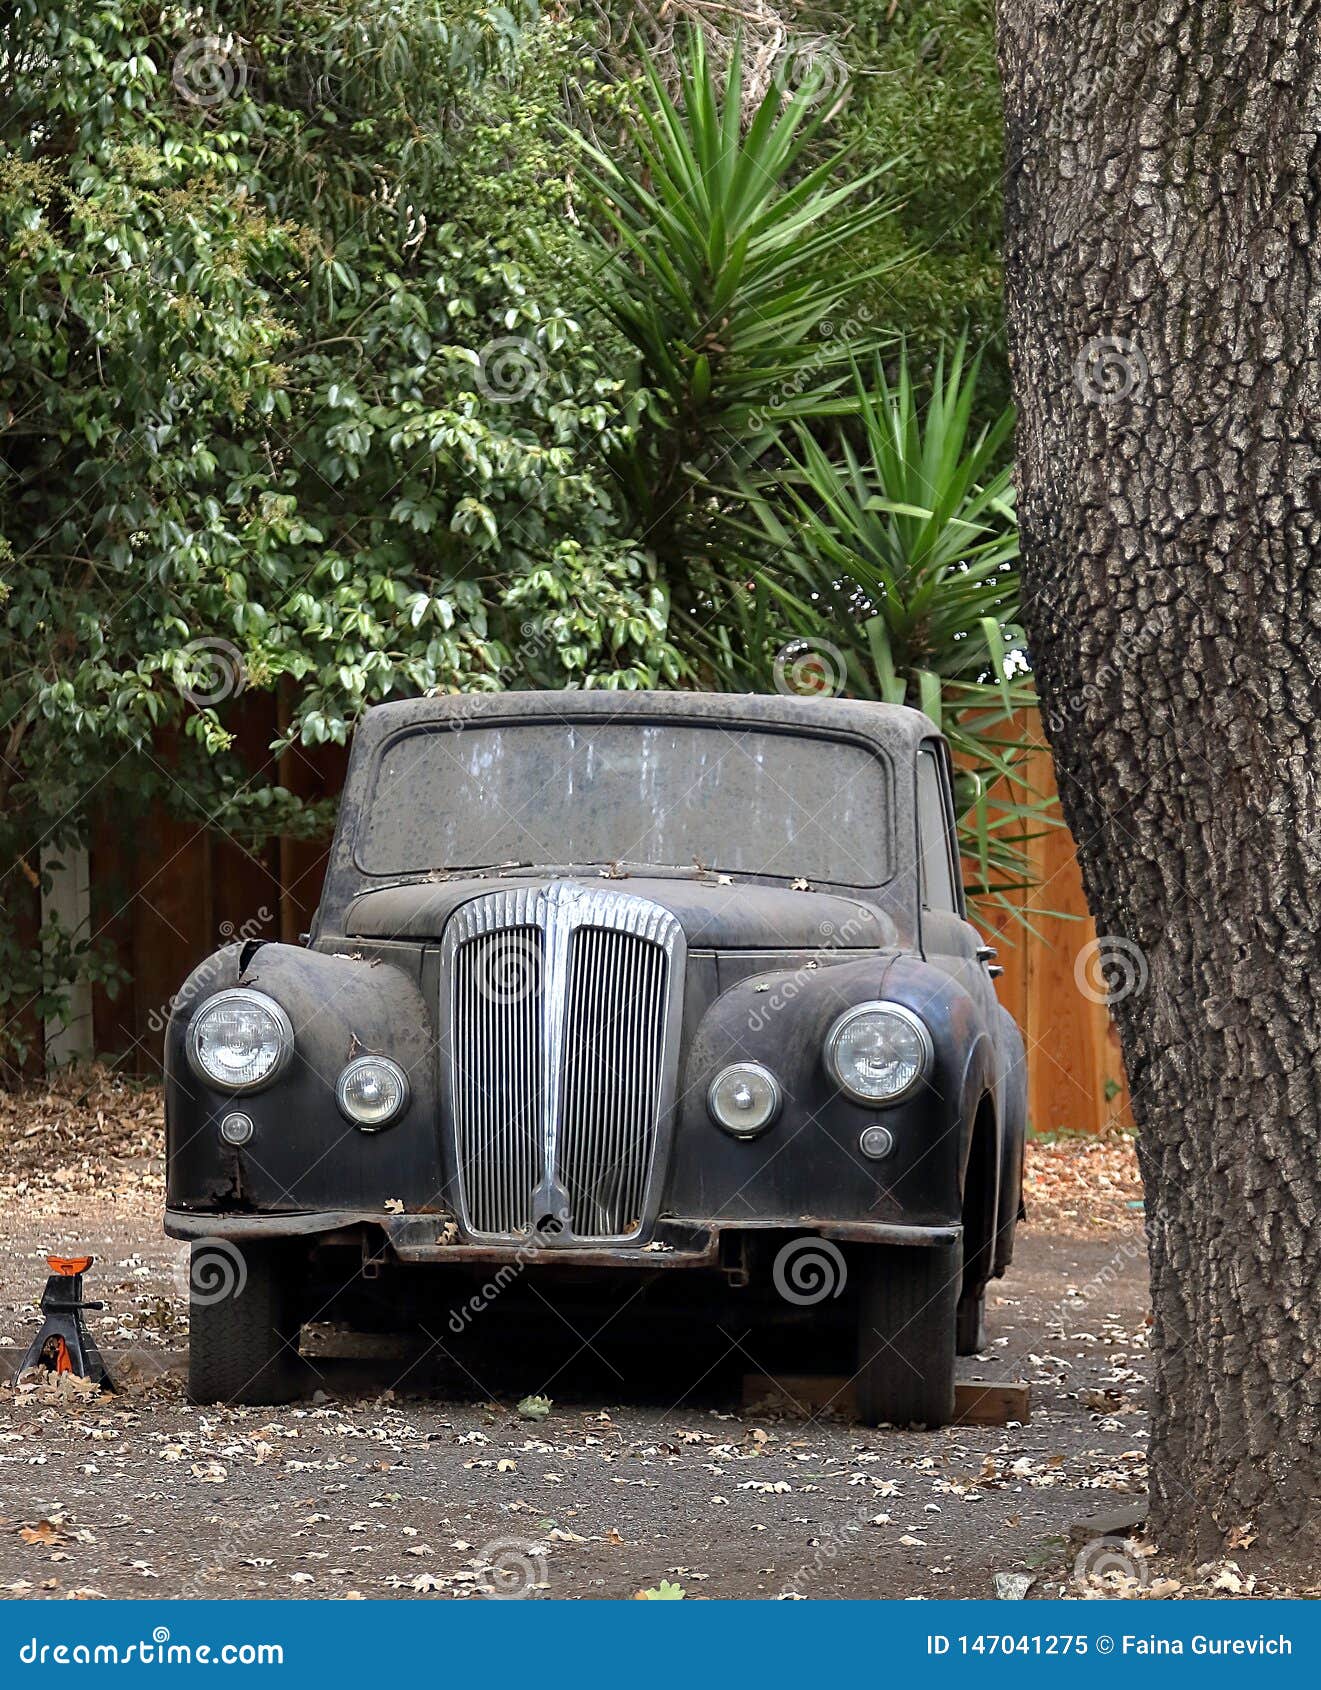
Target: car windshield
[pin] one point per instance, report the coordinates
(747, 801)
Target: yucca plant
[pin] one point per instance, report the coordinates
(721, 258)
(884, 565)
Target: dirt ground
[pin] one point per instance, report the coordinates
(412, 1475)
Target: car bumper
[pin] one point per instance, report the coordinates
(424, 1239)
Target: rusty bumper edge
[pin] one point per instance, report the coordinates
(413, 1238)
(186, 1223)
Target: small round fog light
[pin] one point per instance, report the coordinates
(372, 1091)
(236, 1129)
(744, 1098)
(876, 1142)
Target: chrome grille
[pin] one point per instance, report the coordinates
(563, 1006)
(497, 1075)
(608, 1115)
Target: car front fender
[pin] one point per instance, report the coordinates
(303, 1154)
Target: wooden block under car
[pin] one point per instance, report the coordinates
(982, 1402)
(977, 1402)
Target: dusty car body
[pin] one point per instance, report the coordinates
(633, 984)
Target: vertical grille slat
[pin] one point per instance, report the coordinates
(584, 981)
(610, 1118)
(496, 1057)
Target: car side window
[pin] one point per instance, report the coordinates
(939, 890)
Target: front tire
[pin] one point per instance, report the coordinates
(906, 1334)
(243, 1342)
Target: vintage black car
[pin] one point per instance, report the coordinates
(644, 984)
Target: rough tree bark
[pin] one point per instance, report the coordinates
(1164, 306)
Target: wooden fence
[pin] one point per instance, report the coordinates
(1076, 1075)
(168, 888)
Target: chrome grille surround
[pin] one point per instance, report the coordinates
(562, 1026)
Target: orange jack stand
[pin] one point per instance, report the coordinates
(64, 1345)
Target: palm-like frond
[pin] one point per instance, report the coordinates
(897, 547)
(719, 261)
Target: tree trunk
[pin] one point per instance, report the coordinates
(1164, 309)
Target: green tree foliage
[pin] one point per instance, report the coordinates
(909, 87)
(330, 366)
(885, 565)
(826, 526)
(924, 91)
(290, 393)
(721, 255)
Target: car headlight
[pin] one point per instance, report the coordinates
(744, 1098)
(372, 1091)
(877, 1052)
(240, 1040)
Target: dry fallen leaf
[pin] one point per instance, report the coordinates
(45, 1531)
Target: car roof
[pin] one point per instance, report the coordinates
(892, 727)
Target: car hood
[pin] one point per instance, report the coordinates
(713, 916)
